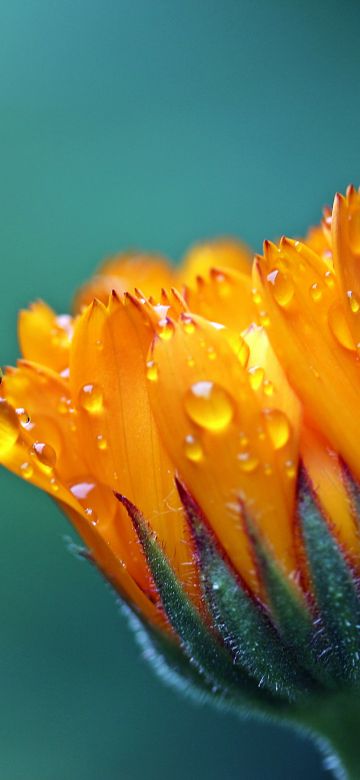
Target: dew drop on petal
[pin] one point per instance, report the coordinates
(268, 387)
(193, 448)
(23, 416)
(339, 327)
(264, 319)
(152, 371)
(165, 329)
(256, 296)
(211, 353)
(209, 405)
(256, 376)
(247, 462)
(290, 469)
(282, 287)
(9, 427)
(54, 485)
(188, 324)
(330, 279)
(26, 470)
(277, 426)
(316, 292)
(91, 398)
(101, 442)
(268, 469)
(45, 454)
(92, 516)
(354, 302)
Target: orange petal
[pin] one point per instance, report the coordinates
(327, 476)
(225, 296)
(221, 253)
(300, 307)
(117, 431)
(123, 273)
(345, 232)
(222, 440)
(45, 337)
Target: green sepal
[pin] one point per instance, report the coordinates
(197, 640)
(335, 588)
(289, 610)
(240, 619)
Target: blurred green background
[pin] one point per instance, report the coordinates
(151, 124)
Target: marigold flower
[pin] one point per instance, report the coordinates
(201, 433)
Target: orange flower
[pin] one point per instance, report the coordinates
(199, 427)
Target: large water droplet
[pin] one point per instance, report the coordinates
(9, 427)
(193, 448)
(268, 387)
(91, 398)
(339, 327)
(277, 426)
(45, 454)
(209, 405)
(282, 287)
(188, 324)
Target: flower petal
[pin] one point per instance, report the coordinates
(345, 232)
(45, 337)
(217, 433)
(300, 308)
(225, 296)
(222, 253)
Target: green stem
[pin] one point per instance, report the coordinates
(335, 724)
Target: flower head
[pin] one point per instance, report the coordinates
(199, 426)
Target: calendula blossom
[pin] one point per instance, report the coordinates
(199, 426)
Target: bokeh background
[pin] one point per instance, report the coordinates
(144, 123)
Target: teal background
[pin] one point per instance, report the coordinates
(150, 124)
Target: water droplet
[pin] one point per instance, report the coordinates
(247, 461)
(256, 296)
(101, 442)
(290, 469)
(316, 292)
(329, 279)
(256, 376)
(264, 319)
(92, 516)
(209, 405)
(54, 485)
(211, 353)
(26, 470)
(193, 449)
(63, 405)
(166, 329)
(191, 362)
(243, 440)
(152, 371)
(354, 230)
(188, 324)
(268, 469)
(23, 416)
(45, 454)
(9, 427)
(339, 327)
(268, 387)
(354, 302)
(91, 398)
(282, 287)
(277, 426)
(99, 344)
(223, 282)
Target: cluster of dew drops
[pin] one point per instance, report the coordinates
(210, 407)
